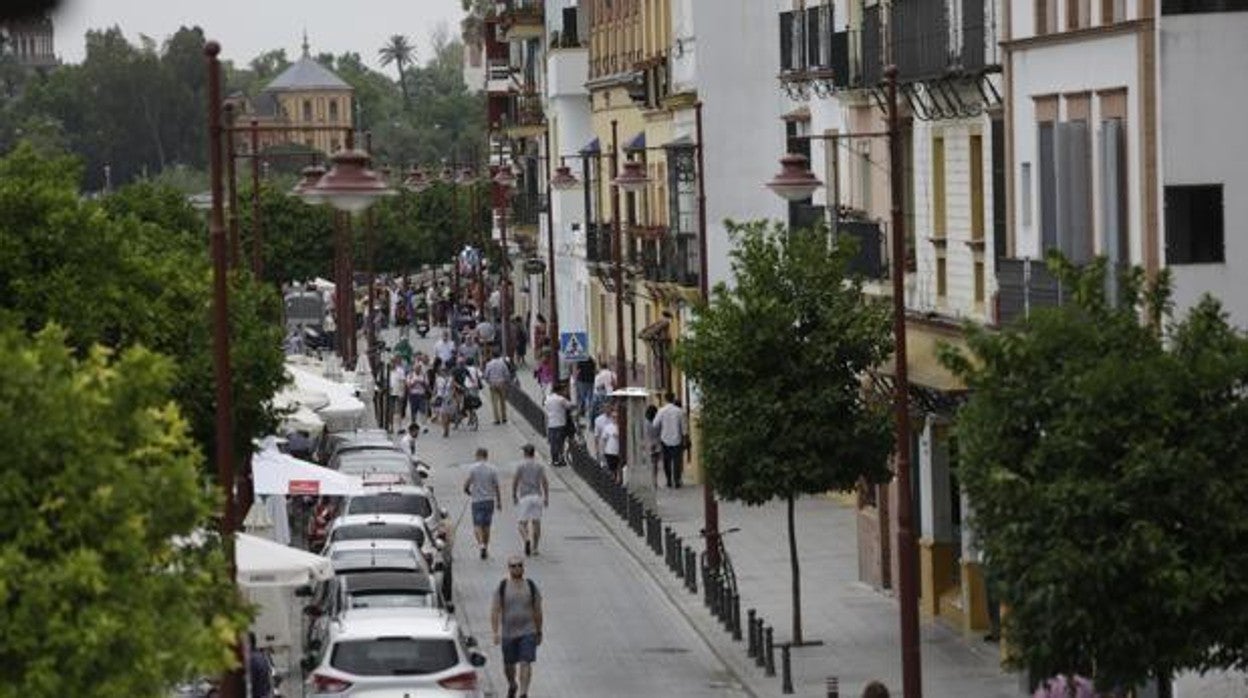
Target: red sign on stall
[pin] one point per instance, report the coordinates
(312, 487)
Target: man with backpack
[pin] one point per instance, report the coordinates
(516, 618)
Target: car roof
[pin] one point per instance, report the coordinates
(397, 488)
(367, 623)
(386, 581)
(377, 544)
(372, 455)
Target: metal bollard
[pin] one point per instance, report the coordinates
(760, 659)
(770, 645)
(834, 687)
(691, 570)
(751, 645)
(706, 585)
(786, 670)
(725, 603)
(735, 624)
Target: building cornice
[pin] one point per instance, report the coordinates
(1075, 36)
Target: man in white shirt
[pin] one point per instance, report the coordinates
(611, 445)
(397, 394)
(445, 349)
(604, 382)
(498, 377)
(600, 423)
(673, 430)
(557, 405)
(407, 443)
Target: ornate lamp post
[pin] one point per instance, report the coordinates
(350, 188)
(794, 183)
(505, 180)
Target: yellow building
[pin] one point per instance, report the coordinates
(305, 94)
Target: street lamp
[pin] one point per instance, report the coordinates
(633, 179)
(795, 183)
(417, 181)
(563, 179)
(303, 189)
(349, 187)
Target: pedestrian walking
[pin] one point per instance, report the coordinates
(543, 372)
(397, 393)
(498, 376)
(654, 445)
(444, 349)
(530, 493)
(557, 406)
(519, 341)
(482, 486)
(418, 389)
(516, 618)
(407, 443)
(673, 433)
(600, 426)
(486, 335)
(586, 369)
(611, 446)
(444, 399)
(259, 670)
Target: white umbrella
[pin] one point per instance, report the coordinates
(263, 563)
(343, 411)
(274, 472)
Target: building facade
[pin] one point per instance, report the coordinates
(306, 94)
(30, 42)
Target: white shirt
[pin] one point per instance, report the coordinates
(672, 426)
(557, 411)
(604, 382)
(445, 350)
(408, 445)
(600, 423)
(398, 381)
(611, 438)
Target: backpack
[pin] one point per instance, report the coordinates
(502, 587)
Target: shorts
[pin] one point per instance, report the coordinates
(529, 508)
(483, 513)
(521, 649)
(612, 461)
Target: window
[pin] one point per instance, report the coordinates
(1194, 220)
(1046, 16)
(1078, 14)
(979, 278)
(942, 277)
(1025, 189)
(1183, 7)
(307, 110)
(333, 110)
(939, 220)
(977, 187)
(1048, 186)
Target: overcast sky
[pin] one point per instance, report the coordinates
(247, 28)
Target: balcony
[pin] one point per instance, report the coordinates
(814, 57)
(869, 251)
(524, 116)
(921, 39)
(527, 208)
(1023, 285)
(521, 20)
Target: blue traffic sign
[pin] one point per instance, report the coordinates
(574, 346)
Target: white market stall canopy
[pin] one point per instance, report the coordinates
(277, 473)
(263, 563)
(343, 410)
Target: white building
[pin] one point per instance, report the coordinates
(1203, 67)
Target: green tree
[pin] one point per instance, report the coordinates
(400, 52)
(101, 478)
(778, 360)
(1107, 471)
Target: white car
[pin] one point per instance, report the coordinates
(382, 652)
(413, 500)
(432, 544)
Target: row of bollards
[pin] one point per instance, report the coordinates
(719, 589)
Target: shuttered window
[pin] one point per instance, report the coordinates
(1074, 193)
(786, 41)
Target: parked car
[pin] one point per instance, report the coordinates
(336, 440)
(364, 527)
(378, 467)
(412, 500)
(393, 651)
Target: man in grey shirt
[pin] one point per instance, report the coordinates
(516, 617)
(497, 375)
(530, 493)
(482, 486)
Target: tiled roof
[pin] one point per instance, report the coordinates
(307, 74)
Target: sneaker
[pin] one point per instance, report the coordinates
(528, 548)
(511, 692)
(484, 554)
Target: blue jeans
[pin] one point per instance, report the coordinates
(584, 395)
(555, 437)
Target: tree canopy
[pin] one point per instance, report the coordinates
(1106, 466)
(778, 359)
(102, 478)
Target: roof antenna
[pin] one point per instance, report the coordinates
(305, 43)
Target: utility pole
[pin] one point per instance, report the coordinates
(710, 507)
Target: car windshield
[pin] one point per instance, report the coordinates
(394, 656)
(377, 531)
(374, 463)
(345, 560)
(391, 599)
(392, 503)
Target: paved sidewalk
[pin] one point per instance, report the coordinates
(858, 625)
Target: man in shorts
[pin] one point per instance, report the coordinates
(482, 486)
(530, 493)
(516, 617)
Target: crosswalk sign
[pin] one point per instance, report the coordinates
(574, 346)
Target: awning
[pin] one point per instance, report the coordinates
(263, 563)
(637, 143)
(274, 472)
(591, 148)
(801, 114)
(682, 142)
(655, 331)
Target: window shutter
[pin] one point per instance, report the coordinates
(1111, 190)
(786, 41)
(812, 37)
(1047, 143)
